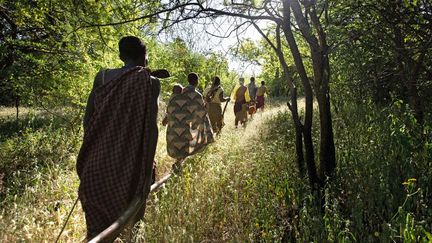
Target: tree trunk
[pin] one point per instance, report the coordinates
(295, 116)
(409, 71)
(413, 91)
(293, 106)
(321, 67)
(327, 155)
(327, 148)
(17, 107)
(298, 129)
(307, 128)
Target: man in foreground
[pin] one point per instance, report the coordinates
(120, 134)
(189, 129)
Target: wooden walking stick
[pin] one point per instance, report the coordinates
(226, 104)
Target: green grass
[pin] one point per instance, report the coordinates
(215, 197)
(244, 187)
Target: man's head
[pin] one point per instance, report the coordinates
(241, 81)
(193, 79)
(252, 79)
(132, 49)
(216, 81)
(177, 89)
(262, 83)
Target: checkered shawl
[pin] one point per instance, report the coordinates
(115, 149)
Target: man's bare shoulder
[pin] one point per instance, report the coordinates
(106, 75)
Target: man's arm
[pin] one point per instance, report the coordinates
(90, 102)
(222, 98)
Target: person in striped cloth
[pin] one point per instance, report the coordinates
(115, 162)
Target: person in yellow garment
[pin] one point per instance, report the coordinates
(260, 96)
(214, 96)
(241, 97)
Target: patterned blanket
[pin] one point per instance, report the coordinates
(116, 152)
(189, 129)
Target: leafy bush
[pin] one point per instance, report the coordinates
(39, 144)
(372, 197)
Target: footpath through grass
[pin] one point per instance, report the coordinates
(242, 188)
(227, 193)
(42, 183)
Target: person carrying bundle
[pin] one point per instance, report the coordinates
(177, 89)
(189, 130)
(214, 96)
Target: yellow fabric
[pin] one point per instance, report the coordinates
(234, 92)
(215, 98)
(246, 95)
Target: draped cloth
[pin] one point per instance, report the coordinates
(215, 115)
(116, 148)
(211, 94)
(236, 96)
(240, 95)
(252, 88)
(189, 129)
(261, 93)
(260, 101)
(214, 107)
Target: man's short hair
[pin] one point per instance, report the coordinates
(193, 79)
(131, 48)
(216, 81)
(262, 82)
(241, 80)
(252, 79)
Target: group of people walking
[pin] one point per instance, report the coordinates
(248, 99)
(116, 159)
(192, 119)
(189, 129)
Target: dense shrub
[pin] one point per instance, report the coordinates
(33, 145)
(382, 190)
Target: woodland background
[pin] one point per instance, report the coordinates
(349, 160)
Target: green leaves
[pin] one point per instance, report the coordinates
(410, 4)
